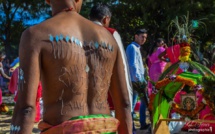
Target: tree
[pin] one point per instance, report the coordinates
(14, 14)
(156, 16)
(128, 16)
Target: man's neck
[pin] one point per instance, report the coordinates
(137, 43)
(59, 6)
(64, 10)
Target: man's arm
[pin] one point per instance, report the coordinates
(125, 63)
(29, 75)
(161, 56)
(120, 97)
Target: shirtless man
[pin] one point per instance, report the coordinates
(77, 62)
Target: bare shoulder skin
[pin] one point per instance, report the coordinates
(77, 61)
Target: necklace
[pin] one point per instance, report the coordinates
(68, 9)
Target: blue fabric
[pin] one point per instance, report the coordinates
(142, 113)
(135, 62)
(134, 102)
(142, 110)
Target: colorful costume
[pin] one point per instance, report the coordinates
(89, 124)
(173, 53)
(205, 114)
(156, 67)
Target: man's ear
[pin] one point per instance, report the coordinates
(104, 20)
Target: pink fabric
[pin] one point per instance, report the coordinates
(37, 117)
(39, 95)
(205, 111)
(13, 86)
(205, 114)
(177, 98)
(156, 67)
(0, 96)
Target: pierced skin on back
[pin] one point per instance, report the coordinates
(84, 78)
(90, 59)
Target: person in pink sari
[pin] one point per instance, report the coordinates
(155, 65)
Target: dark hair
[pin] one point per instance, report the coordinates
(98, 11)
(141, 31)
(155, 45)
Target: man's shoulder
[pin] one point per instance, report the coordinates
(32, 37)
(131, 45)
(104, 35)
(30, 33)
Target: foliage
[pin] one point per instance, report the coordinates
(14, 14)
(128, 16)
(157, 15)
(209, 91)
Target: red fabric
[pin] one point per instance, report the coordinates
(39, 91)
(213, 68)
(13, 85)
(173, 53)
(111, 30)
(110, 102)
(137, 106)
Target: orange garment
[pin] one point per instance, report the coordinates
(82, 125)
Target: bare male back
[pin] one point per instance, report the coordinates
(77, 62)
